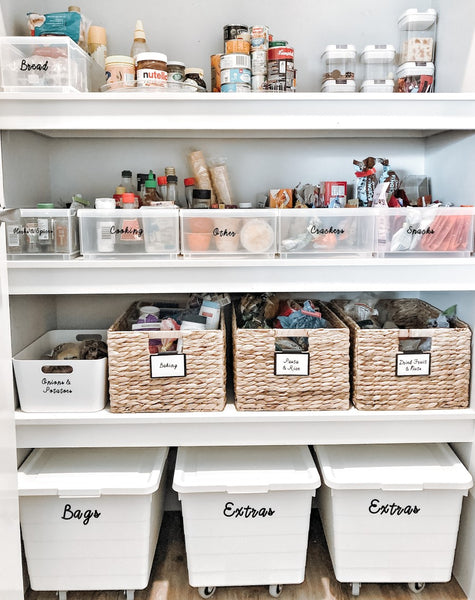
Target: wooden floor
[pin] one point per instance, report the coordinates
(169, 579)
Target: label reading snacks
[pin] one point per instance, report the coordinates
(292, 363)
(167, 365)
(408, 365)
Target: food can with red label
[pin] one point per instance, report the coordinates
(280, 68)
(259, 37)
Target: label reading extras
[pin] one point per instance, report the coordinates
(376, 507)
(408, 365)
(167, 365)
(246, 512)
(292, 363)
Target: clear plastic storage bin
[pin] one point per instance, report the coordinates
(326, 231)
(339, 62)
(47, 64)
(129, 233)
(229, 232)
(391, 512)
(430, 229)
(90, 517)
(415, 78)
(46, 385)
(43, 233)
(246, 514)
(417, 35)
(379, 69)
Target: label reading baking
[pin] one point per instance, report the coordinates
(292, 363)
(408, 365)
(246, 512)
(167, 365)
(376, 507)
(85, 516)
(56, 386)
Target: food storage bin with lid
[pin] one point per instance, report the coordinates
(378, 61)
(339, 62)
(417, 35)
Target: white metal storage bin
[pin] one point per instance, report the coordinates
(43, 233)
(229, 232)
(430, 229)
(47, 64)
(246, 513)
(129, 233)
(391, 512)
(326, 231)
(90, 517)
(44, 386)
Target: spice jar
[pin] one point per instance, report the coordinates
(201, 198)
(194, 76)
(151, 69)
(120, 71)
(176, 71)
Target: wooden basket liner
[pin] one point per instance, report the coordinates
(133, 390)
(375, 385)
(327, 387)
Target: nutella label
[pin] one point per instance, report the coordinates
(147, 77)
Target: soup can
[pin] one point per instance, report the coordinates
(235, 87)
(236, 75)
(236, 32)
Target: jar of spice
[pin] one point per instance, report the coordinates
(194, 76)
(151, 69)
(120, 71)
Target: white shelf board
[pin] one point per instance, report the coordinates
(263, 114)
(234, 428)
(240, 275)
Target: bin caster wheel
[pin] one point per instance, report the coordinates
(62, 595)
(275, 590)
(355, 589)
(206, 592)
(129, 594)
(416, 586)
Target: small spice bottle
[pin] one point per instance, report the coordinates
(201, 199)
(189, 186)
(151, 69)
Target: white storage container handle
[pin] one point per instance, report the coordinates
(407, 487)
(62, 369)
(238, 489)
(67, 494)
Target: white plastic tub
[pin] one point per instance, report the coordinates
(42, 384)
(391, 513)
(246, 514)
(90, 517)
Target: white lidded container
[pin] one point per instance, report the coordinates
(378, 61)
(415, 78)
(417, 35)
(63, 385)
(391, 512)
(339, 62)
(246, 513)
(90, 517)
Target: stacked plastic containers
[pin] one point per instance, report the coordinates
(378, 61)
(339, 63)
(417, 41)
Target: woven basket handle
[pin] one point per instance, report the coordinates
(416, 333)
(291, 332)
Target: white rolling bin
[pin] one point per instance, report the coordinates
(391, 512)
(90, 517)
(246, 514)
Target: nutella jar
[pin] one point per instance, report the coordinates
(194, 77)
(120, 71)
(151, 69)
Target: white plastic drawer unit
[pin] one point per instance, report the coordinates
(246, 513)
(145, 232)
(430, 230)
(326, 231)
(47, 64)
(228, 233)
(90, 517)
(391, 513)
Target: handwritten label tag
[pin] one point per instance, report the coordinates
(167, 365)
(292, 363)
(408, 365)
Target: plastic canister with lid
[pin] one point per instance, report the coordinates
(151, 69)
(415, 78)
(339, 61)
(378, 61)
(120, 71)
(417, 35)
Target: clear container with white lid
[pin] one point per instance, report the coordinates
(339, 62)
(415, 77)
(378, 61)
(417, 35)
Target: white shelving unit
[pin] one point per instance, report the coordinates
(54, 145)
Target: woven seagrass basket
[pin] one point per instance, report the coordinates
(131, 387)
(327, 387)
(375, 384)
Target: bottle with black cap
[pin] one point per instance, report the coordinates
(201, 198)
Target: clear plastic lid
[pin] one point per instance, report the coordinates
(415, 68)
(104, 203)
(384, 53)
(416, 20)
(339, 51)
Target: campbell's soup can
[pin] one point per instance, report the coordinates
(280, 69)
(235, 87)
(216, 72)
(237, 75)
(259, 35)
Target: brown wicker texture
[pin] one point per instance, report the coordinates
(375, 385)
(327, 387)
(133, 390)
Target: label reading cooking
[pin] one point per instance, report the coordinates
(246, 512)
(408, 365)
(81, 515)
(167, 365)
(56, 386)
(376, 507)
(292, 363)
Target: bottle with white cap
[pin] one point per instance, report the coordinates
(140, 41)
